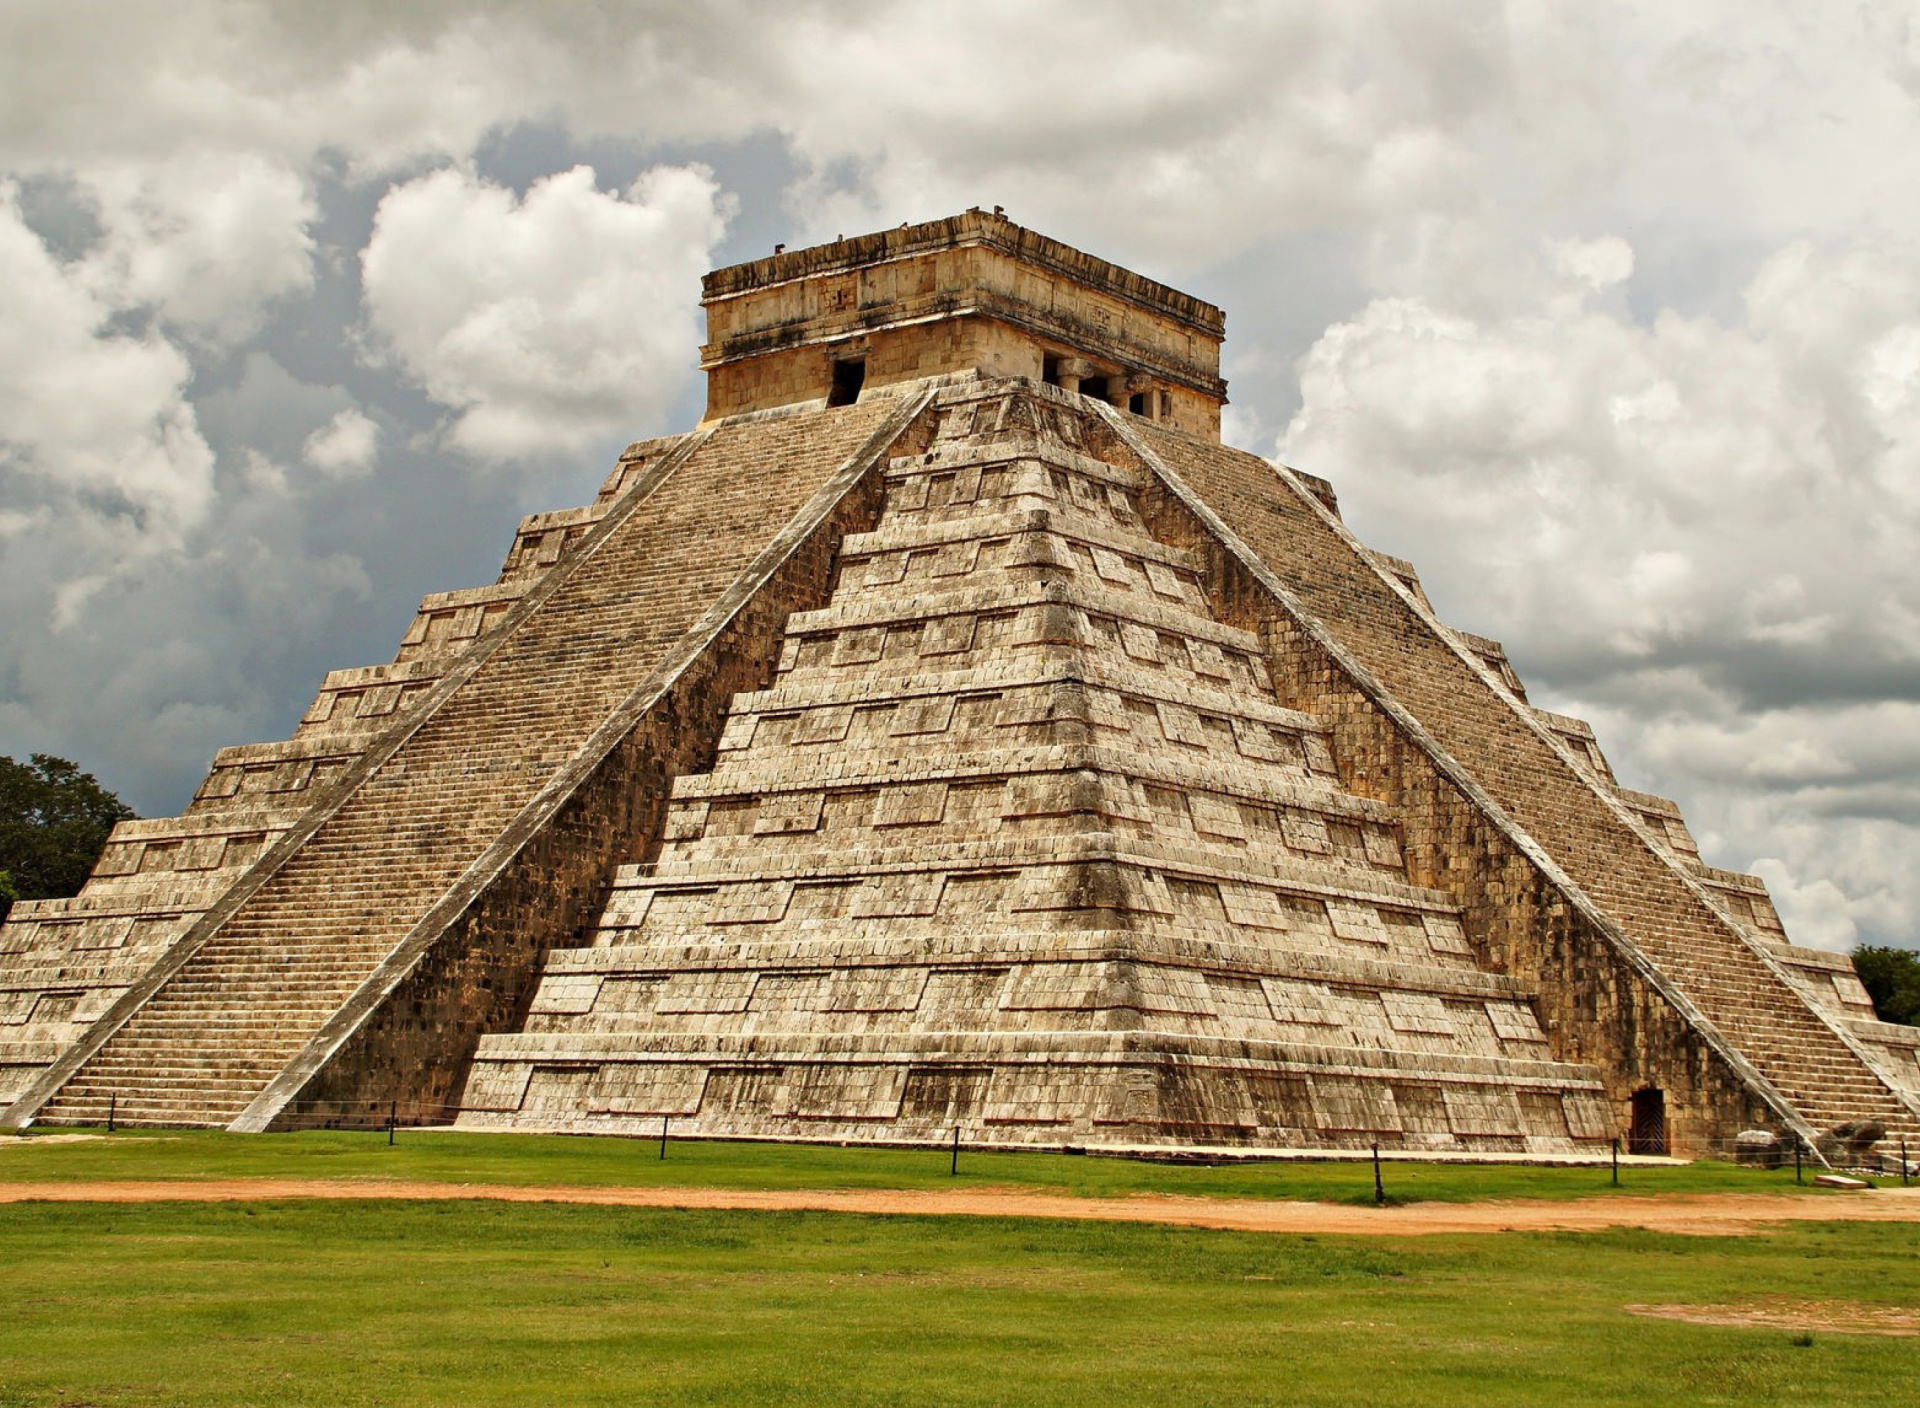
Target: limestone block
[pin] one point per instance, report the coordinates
(947, 635)
(1445, 934)
(1851, 992)
(568, 994)
(558, 1091)
(1360, 923)
(1241, 1001)
(789, 813)
(849, 1092)
(1483, 1109)
(827, 725)
(649, 1089)
(1305, 832)
(899, 895)
(860, 646)
(1048, 987)
(686, 821)
(750, 902)
(1760, 1147)
(1513, 1021)
(1254, 907)
(1301, 1003)
(1416, 1012)
(946, 1094)
(1141, 643)
(497, 1085)
(1165, 582)
(1382, 848)
(706, 992)
(912, 804)
(1216, 816)
(1347, 1104)
(923, 716)
(876, 990)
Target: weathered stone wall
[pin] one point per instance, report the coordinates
(803, 375)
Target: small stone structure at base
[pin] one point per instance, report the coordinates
(949, 733)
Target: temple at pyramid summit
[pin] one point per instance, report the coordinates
(947, 734)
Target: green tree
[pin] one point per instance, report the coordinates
(1892, 979)
(54, 821)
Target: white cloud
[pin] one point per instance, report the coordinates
(1727, 504)
(345, 447)
(206, 242)
(547, 322)
(1620, 488)
(1815, 913)
(93, 422)
(1598, 264)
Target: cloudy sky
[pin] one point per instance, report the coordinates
(1607, 317)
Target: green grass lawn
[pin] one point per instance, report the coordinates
(485, 1303)
(552, 1159)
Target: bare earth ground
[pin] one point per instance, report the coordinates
(1836, 1317)
(1703, 1214)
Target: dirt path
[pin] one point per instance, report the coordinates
(1705, 1214)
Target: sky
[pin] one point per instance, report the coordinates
(1607, 317)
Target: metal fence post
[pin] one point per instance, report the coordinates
(113, 1108)
(953, 1170)
(663, 1138)
(1379, 1189)
(393, 1118)
(1796, 1158)
(1616, 1163)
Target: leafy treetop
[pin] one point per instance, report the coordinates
(54, 821)
(1892, 979)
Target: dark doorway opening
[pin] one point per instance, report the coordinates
(1137, 403)
(1050, 369)
(1647, 1134)
(1094, 386)
(848, 377)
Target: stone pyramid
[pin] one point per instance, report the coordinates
(1020, 838)
(949, 733)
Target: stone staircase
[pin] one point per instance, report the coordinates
(259, 988)
(1557, 798)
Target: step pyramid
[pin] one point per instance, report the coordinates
(948, 734)
(1020, 838)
